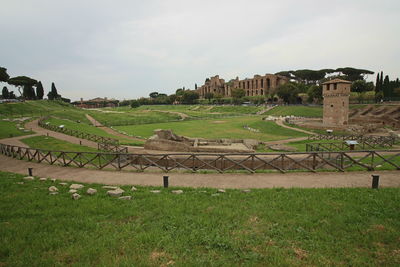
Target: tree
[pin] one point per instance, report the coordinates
(361, 86)
(3, 75)
(135, 104)
(153, 94)
(314, 93)
(11, 95)
(29, 92)
(5, 93)
(386, 87)
(353, 74)
(39, 90)
(238, 93)
(195, 86)
(209, 96)
(189, 97)
(288, 92)
(53, 94)
(23, 82)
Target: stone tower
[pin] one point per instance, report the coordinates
(336, 102)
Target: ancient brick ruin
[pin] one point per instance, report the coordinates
(256, 86)
(336, 95)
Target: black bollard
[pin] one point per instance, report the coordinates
(165, 179)
(80, 142)
(30, 173)
(47, 134)
(375, 181)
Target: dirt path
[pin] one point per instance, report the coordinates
(111, 131)
(281, 142)
(305, 180)
(182, 115)
(265, 110)
(41, 131)
(16, 141)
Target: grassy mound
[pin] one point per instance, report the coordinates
(43, 108)
(273, 227)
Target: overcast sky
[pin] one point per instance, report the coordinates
(127, 49)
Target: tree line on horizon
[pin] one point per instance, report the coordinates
(303, 82)
(31, 88)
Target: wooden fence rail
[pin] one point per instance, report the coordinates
(377, 141)
(343, 146)
(87, 136)
(249, 162)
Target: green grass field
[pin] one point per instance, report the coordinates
(86, 128)
(266, 227)
(301, 111)
(43, 108)
(214, 129)
(132, 117)
(51, 143)
(9, 129)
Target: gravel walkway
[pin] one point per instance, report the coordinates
(269, 180)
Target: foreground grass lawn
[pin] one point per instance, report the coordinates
(218, 128)
(275, 227)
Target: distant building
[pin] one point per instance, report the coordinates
(336, 95)
(256, 86)
(97, 102)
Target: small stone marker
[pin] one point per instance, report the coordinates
(221, 191)
(72, 191)
(115, 193)
(91, 191)
(110, 187)
(75, 196)
(177, 192)
(155, 191)
(76, 186)
(63, 184)
(125, 198)
(42, 179)
(246, 190)
(133, 188)
(53, 189)
(53, 180)
(29, 178)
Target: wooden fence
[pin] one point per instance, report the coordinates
(375, 141)
(87, 136)
(249, 162)
(343, 146)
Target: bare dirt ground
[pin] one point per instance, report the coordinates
(269, 180)
(41, 131)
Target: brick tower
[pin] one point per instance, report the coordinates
(336, 102)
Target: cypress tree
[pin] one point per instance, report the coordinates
(5, 93)
(39, 90)
(386, 87)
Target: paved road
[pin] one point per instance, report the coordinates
(288, 180)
